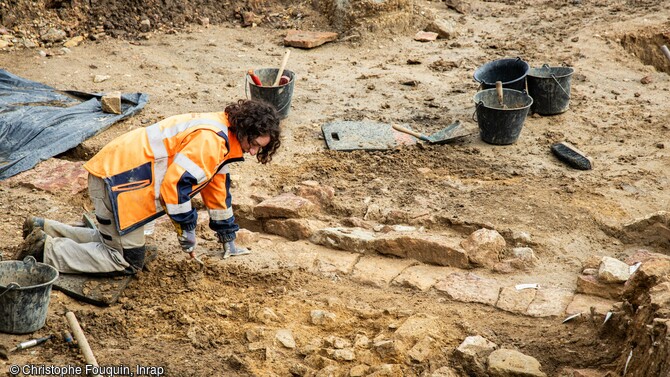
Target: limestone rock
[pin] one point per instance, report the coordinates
(417, 327)
(584, 303)
(526, 255)
(73, 42)
(285, 337)
(284, 206)
(508, 363)
(111, 103)
(515, 301)
(550, 302)
(266, 316)
(322, 317)
(445, 29)
(100, 78)
(432, 249)
(377, 271)
(292, 229)
(469, 288)
(425, 36)
(53, 176)
(590, 285)
(308, 39)
(473, 352)
(421, 351)
(484, 247)
(318, 194)
(350, 239)
(53, 35)
(612, 270)
(333, 263)
(337, 342)
(346, 354)
(420, 277)
(390, 350)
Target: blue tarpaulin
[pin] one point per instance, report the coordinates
(38, 122)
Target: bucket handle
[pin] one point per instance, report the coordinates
(11, 286)
(474, 113)
(29, 260)
(560, 86)
(545, 65)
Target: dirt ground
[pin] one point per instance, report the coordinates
(197, 323)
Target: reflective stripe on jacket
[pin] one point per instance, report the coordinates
(158, 169)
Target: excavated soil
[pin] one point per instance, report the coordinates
(193, 58)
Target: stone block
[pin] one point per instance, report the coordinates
(469, 288)
(284, 206)
(379, 271)
(550, 302)
(111, 103)
(293, 229)
(53, 176)
(472, 354)
(445, 29)
(417, 327)
(349, 239)
(330, 262)
(612, 271)
(421, 277)
(308, 39)
(425, 36)
(320, 195)
(590, 285)
(422, 350)
(515, 301)
(583, 304)
(484, 247)
(432, 249)
(506, 363)
(73, 42)
(390, 351)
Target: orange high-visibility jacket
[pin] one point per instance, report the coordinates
(158, 169)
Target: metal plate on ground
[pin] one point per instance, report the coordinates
(97, 290)
(365, 135)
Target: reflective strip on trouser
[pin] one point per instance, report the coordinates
(156, 137)
(82, 250)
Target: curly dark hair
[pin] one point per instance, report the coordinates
(250, 119)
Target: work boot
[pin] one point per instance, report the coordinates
(32, 223)
(232, 250)
(33, 245)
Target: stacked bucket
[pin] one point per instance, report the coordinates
(544, 90)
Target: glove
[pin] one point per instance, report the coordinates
(232, 250)
(187, 240)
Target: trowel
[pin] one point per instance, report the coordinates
(452, 131)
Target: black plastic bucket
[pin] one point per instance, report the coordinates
(511, 72)
(501, 125)
(25, 290)
(550, 89)
(279, 96)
